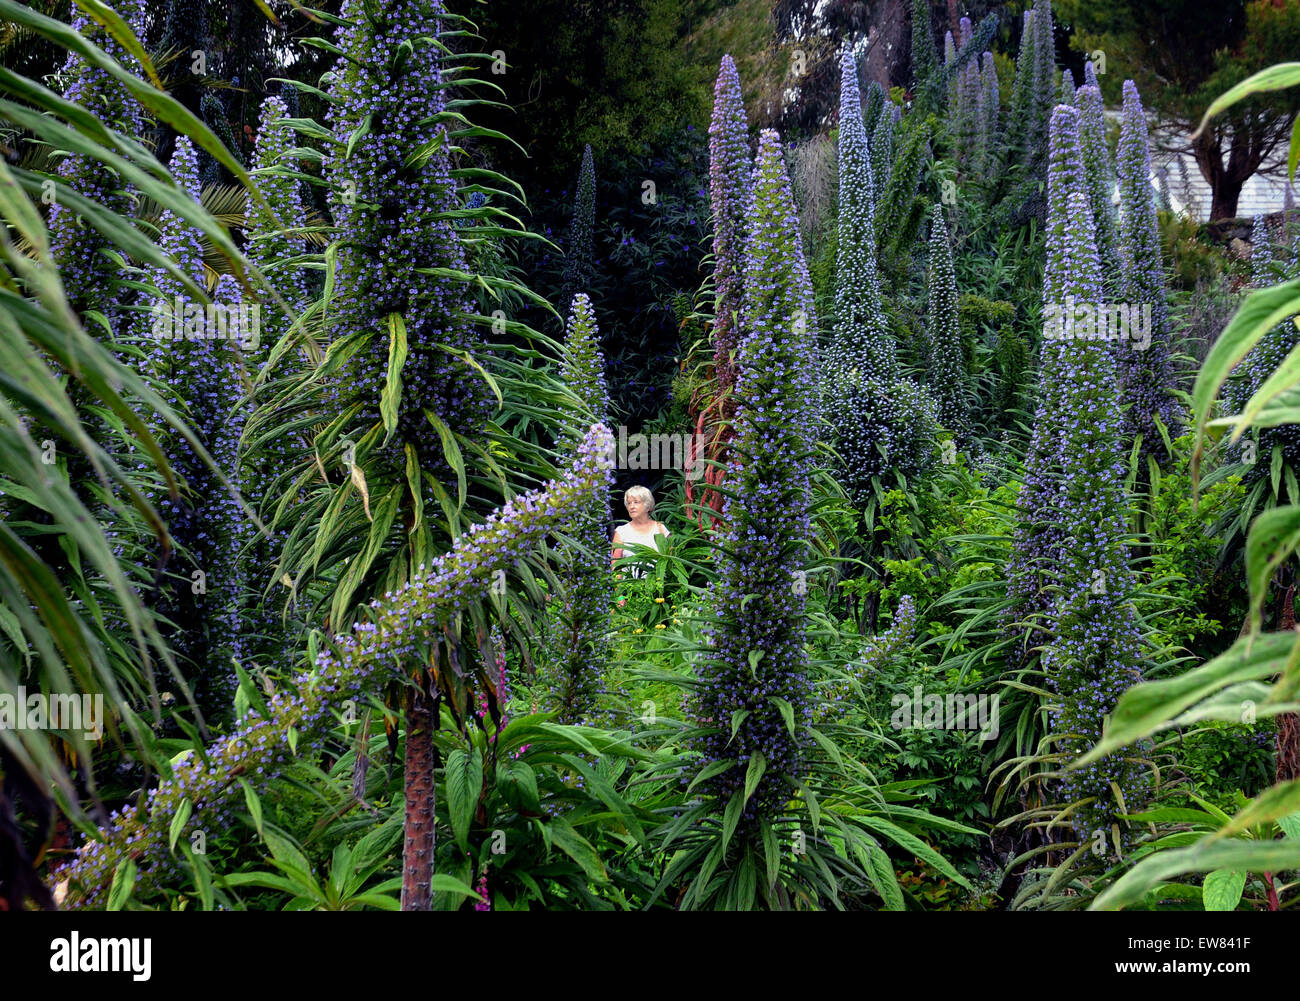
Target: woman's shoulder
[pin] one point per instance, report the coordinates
(661, 528)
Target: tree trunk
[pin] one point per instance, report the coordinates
(1246, 151)
(1224, 203)
(421, 792)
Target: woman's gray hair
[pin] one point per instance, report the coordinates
(641, 493)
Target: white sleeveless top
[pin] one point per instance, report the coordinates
(632, 537)
(629, 536)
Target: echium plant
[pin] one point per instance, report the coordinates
(200, 373)
(580, 254)
(861, 362)
(990, 112)
(943, 334)
(1145, 369)
(1071, 540)
(753, 698)
(276, 245)
(1022, 91)
(730, 170)
(883, 137)
(583, 643)
(927, 79)
(1269, 262)
(876, 419)
(220, 411)
(730, 167)
(1101, 183)
(274, 227)
(78, 248)
(392, 171)
(968, 98)
(210, 788)
(1032, 96)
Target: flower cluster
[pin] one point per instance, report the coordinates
(1067, 89)
(203, 379)
(1071, 560)
(927, 81)
(77, 247)
(754, 661)
(730, 167)
(580, 255)
(1031, 100)
(875, 653)
(1146, 377)
(990, 108)
(947, 371)
(965, 113)
(1271, 350)
(213, 784)
(589, 595)
(274, 242)
(882, 148)
(274, 229)
(862, 390)
(395, 215)
(1101, 183)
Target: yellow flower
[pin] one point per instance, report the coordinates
(659, 601)
(638, 630)
(660, 626)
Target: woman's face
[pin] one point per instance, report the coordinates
(636, 507)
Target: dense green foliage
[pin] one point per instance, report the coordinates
(968, 603)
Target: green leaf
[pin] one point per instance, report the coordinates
(578, 848)
(883, 878)
(1259, 313)
(1206, 856)
(450, 452)
(123, 885)
(1273, 538)
(464, 773)
(731, 816)
(1274, 803)
(915, 845)
(179, 820)
(254, 804)
(754, 773)
(1151, 706)
(1221, 890)
(1276, 77)
(787, 712)
(442, 883)
(390, 400)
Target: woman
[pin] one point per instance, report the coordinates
(641, 529)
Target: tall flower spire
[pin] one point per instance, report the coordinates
(1101, 183)
(580, 256)
(1146, 374)
(584, 644)
(1071, 564)
(947, 371)
(396, 219)
(730, 166)
(755, 660)
(375, 653)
